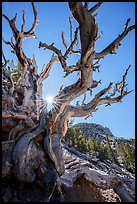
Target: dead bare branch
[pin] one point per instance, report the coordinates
(55, 50)
(86, 5)
(84, 99)
(111, 48)
(87, 109)
(5, 62)
(100, 36)
(63, 40)
(70, 29)
(19, 36)
(94, 8)
(45, 73)
(12, 25)
(24, 22)
(4, 58)
(30, 33)
(124, 82)
(126, 25)
(76, 52)
(72, 44)
(67, 69)
(9, 43)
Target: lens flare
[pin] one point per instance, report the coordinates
(50, 103)
(49, 100)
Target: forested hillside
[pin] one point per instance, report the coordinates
(97, 141)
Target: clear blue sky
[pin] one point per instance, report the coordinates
(53, 18)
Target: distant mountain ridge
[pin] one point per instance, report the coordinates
(96, 131)
(99, 132)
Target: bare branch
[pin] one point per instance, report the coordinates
(19, 36)
(72, 44)
(84, 99)
(24, 22)
(62, 58)
(72, 68)
(67, 69)
(100, 36)
(108, 99)
(86, 5)
(45, 73)
(4, 57)
(76, 52)
(30, 33)
(111, 48)
(55, 50)
(102, 92)
(61, 88)
(49, 47)
(96, 68)
(120, 86)
(95, 15)
(12, 24)
(17, 48)
(73, 51)
(94, 8)
(5, 61)
(126, 25)
(80, 111)
(124, 81)
(70, 29)
(86, 110)
(9, 43)
(63, 40)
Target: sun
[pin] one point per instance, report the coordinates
(50, 99)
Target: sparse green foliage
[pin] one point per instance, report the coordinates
(75, 138)
(128, 156)
(93, 147)
(110, 152)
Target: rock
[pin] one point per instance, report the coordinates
(87, 181)
(94, 130)
(84, 180)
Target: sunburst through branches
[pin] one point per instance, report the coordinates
(50, 103)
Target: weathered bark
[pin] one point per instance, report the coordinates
(102, 175)
(32, 148)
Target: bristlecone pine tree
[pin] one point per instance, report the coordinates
(31, 147)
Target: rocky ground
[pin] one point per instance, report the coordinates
(90, 180)
(86, 179)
